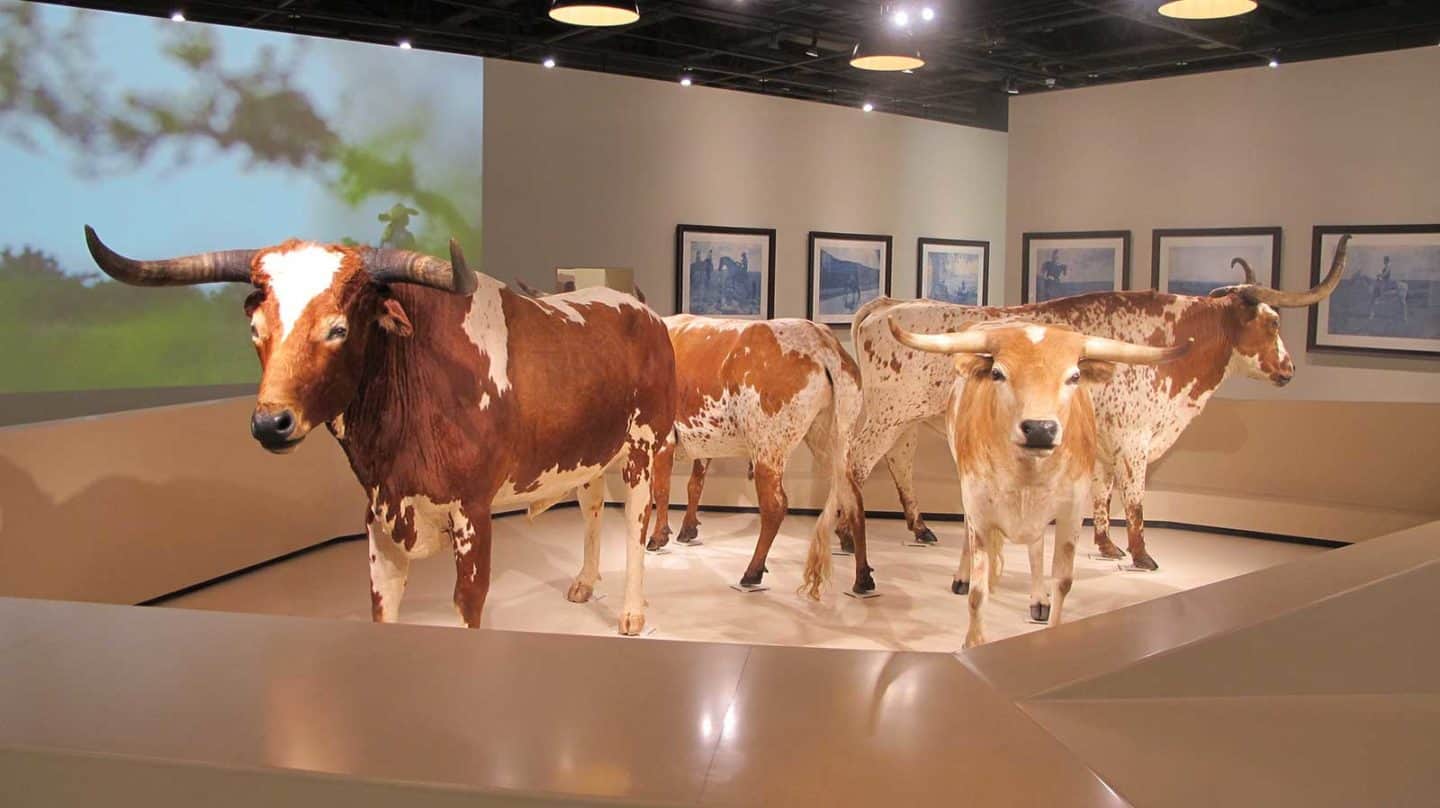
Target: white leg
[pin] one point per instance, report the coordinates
(637, 513)
(389, 569)
(981, 556)
(1067, 532)
(961, 583)
(592, 501)
(1039, 597)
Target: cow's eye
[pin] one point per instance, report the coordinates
(1074, 378)
(337, 332)
(997, 374)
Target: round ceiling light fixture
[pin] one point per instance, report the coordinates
(596, 13)
(886, 49)
(1206, 9)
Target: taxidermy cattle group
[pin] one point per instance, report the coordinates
(454, 397)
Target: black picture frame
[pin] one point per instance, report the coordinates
(682, 230)
(1026, 292)
(810, 269)
(983, 298)
(1276, 235)
(1317, 238)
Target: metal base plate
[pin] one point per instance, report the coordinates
(844, 553)
(662, 551)
(744, 588)
(913, 543)
(1131, 568)
(859, 596)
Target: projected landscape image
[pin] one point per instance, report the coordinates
(175, 138)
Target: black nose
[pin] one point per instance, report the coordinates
(272, 428)
(1039, 434)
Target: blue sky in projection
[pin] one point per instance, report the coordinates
(217, 199)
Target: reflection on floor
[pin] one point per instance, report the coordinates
(689, 587)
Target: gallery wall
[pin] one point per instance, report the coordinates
(1332, 142)
(586, 169)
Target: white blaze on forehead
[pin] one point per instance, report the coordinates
(1034, 333)
(296, 276)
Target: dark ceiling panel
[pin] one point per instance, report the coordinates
(800, 48)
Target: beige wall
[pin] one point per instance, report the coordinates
(1341, 141)
(585, 169)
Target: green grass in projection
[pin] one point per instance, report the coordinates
(176, 138)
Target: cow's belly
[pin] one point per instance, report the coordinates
(713, 430)
(551, 483)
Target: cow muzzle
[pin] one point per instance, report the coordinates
(276, 429)
(1039, 434)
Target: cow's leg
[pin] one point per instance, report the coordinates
(981, 558)
(1039, 597)
(770, 490)
(637, 518)
(664, 464)
(690, 528)
(901, 462)
(470, 529)
(591, 496)
(1102, 483)
(389, 569)
(961, 583)
(1131, 471)
(1062, 567)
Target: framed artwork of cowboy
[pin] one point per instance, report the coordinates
(952, 270)
(845, 271)
(1388, 301)
(1197, 261)
(1065, 264)
(725, 271)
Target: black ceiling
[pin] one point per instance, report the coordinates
(971, 48)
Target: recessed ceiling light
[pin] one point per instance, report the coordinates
(177, 15)
(927, 14)
(1206, 9)
(549, 61)
(867, 107)
(1274, 62)
(404, 44)
(686, 81)
(901, 18)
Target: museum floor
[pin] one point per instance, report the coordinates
(690, 597)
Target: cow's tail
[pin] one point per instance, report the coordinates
(843, 505)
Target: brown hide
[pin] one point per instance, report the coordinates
(713, 361)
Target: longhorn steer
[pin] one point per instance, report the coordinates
(1140, 414)
(756, 390)
(1022, 432)
(451, 396)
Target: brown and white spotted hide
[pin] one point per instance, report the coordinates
(1140, 414)
(757, 390)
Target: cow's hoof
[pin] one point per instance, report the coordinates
(960, 587)
(632, 623)
(752, 580)
(864, 581)
(972, 640)
(688, 533)
(1108, 550)
(1143, 560)
(656, 542)
(926, 536)
(1040, 612)
(579, 592)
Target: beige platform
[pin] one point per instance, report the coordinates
(1306, 684)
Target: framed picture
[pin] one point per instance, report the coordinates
(1195, 261)
(1064, 264)
(845, 271)
(725, 271)
(1388, 301)
(952, 270)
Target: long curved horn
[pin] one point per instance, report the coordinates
(972, 341)
(1113, 350)
(387, 265)
(1244, 267)
(227, 266)
(1256, 294)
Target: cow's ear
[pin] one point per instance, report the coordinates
(253, 301)
(1096, 372)
(394, 319)
(974, 366)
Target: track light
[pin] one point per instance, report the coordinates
(1010, 88)
(598, 13)
(1274, 62)
(177, 15)
(886, 49)
(927, 14)
(404, 44)
(901, 18)
(686, 80)
(867, 107)
(1206, 9)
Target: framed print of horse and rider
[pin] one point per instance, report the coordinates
(845, 271)
(725, 271)
(1388, 302)
(1064, 264)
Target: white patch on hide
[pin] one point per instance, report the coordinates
(296, 277)
(564, 304)
(1034, 333)
(485, 326)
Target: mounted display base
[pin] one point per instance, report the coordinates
(1131, 568)
(744, 588)
(662, 551)
(862, 595)
(915, 543)
(846, 553)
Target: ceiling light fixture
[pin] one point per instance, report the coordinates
(1206, 9)
(867, 107)
(927, 14)
(814, 50)
(686, 81)
(177, 15)
(901, 18)
(886, 49)
(1274, 62)
(404, 44)
(549, 61)
(1010, 88)
(597, 13)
